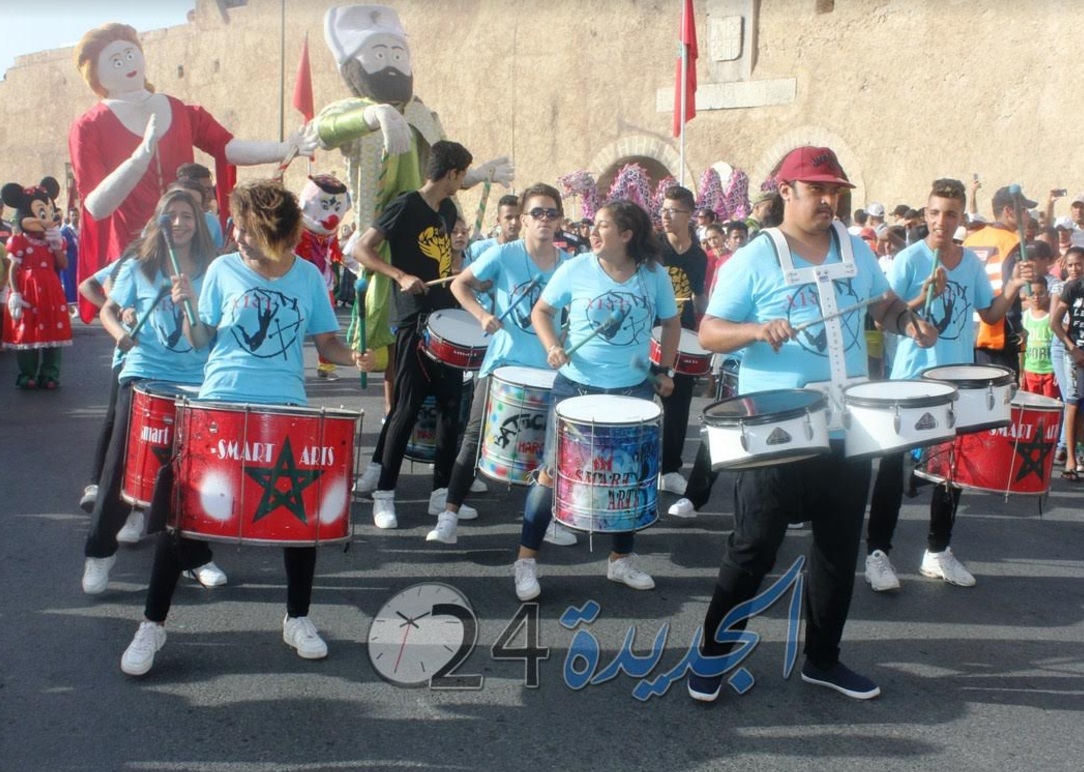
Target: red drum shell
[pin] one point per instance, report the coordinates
(691, 358)
(150, 437)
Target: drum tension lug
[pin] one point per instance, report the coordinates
(743, 439)
(896, 418)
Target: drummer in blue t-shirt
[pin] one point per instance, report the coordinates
(620, 276)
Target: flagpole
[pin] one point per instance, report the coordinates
(684, 94)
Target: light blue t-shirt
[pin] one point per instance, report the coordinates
(966, 291)
(162, 352)
(750, 288)
(513, 272)
(261, 323)
(476, 249)
(591, 296)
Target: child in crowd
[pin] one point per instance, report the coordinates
(1036, 366)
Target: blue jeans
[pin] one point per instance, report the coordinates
(538, 509)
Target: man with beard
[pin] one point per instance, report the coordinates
(384, 131)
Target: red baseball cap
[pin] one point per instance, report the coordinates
(812, 164)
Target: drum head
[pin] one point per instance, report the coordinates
(172, 391)
(458, 326)
(764, 407)
(913, 393)
(971, 376)
(534, 377)
(688, 343)
(608, 409)
(1027, 400)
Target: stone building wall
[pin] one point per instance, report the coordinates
(904, 90)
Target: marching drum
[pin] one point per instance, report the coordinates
(607, 470)
(514, 436)
(985, 394)
(422, 446)
(260, 474)
(452, 336)
(765, 428)
(150, 437)
(692, 358)
(887, 416)
(1018, 458)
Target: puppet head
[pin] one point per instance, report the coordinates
(35, 206)
(110, 58)
(324, 202)
(370, 47)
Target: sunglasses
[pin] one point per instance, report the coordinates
(539, 213)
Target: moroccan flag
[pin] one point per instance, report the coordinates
(303, 84)
(687, 35)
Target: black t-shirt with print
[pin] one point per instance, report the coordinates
(687, 272)
(1073, 296)
(421, 245)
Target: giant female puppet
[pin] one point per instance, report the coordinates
(384, 131)
(126, 149)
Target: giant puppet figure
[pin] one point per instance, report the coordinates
(126, 149)
(384, 131)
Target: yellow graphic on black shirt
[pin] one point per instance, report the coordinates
(682, 287)
(435, 244)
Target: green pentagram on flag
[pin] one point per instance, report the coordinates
(285, 468)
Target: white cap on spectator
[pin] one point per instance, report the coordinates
(875, 210)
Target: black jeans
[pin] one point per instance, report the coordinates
(110, 511)
(416, 377)
(107, 427)
(828, 491)
(884, 508)
(702, 478)
(465, 462)
(675, 421)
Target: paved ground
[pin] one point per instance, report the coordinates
(982, 678)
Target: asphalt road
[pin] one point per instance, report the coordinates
(980, 678)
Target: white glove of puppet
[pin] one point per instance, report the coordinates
(498, 170)
(16, 304)
(393, 127)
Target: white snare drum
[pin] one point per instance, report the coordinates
(985, 394)
(453, 336)
(889, 416)
(692, 358)
(765, 428)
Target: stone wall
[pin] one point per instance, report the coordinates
(904, 90)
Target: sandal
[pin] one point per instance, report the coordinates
(1061, 456)
(1072, 475)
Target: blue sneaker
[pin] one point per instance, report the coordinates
(704, 689)
(842, 679)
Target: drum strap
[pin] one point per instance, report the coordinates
(823, 278)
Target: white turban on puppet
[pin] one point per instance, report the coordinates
(348, 27)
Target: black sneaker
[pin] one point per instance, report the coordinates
(840, 678)
(705, 689)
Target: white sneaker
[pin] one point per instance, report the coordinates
(478, 486)
(445, 530)
(369, 479)
(879, 572)
(944, 565)
(96, 574)
(673, 482)
(438, 502)
(559, 535)
(527, 587)
(132, 531)
(300, 633)
(624, 571)
(209, 575)
(90, 496)
(384, 510)
(682, 508)
(139, 656)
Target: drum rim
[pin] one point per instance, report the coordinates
(1006, 378)
(745, 463)
(656, 415)
(157, 387)
(656, 337)
(922, 400)
(299, 411)
(820, 403)
(496, 374)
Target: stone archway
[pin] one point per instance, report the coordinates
(658, 157)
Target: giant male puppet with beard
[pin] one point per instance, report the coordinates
(384, 131)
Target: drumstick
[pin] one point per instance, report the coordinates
(1018, 210)
(280, 172)
(360, 286)
(162, 290)
(436, 282)
(616, 317)
(164, 225)
(841, 312)
(639, 363)
(682, 300)
(486, 186)
(933, 283)
(516, 302)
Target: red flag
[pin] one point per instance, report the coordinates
(303, 84)
(687, 34)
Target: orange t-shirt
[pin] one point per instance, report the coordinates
(992, 244)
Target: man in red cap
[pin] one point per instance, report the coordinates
(804, 270)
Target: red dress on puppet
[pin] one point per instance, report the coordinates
(45, 322)
(321, 250)
(99, 143)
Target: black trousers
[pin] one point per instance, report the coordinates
(110, 511)
(884, 508)
(107, 427)
(675, 421)
(829, 492)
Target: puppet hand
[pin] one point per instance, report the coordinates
(16, 304)
(151, 135)
(498, 170)
(306, 139)
(393, 126)
(54, 238)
